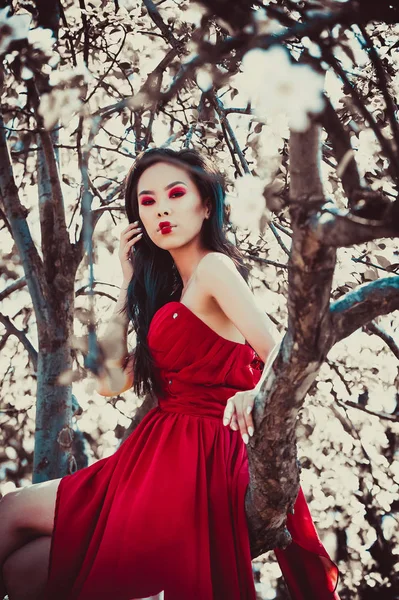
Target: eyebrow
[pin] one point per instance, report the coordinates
(167, 188)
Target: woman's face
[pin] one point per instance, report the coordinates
(166, 193)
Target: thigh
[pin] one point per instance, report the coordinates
(26, 570)
(31, 508)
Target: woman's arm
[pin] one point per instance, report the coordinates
(118, 379)
(119, 317)
(268, 365)
(219, 278)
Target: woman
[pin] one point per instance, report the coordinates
(166, 511)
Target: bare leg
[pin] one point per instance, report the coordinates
(25, 571)
(25, 514)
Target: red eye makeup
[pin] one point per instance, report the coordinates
(145, 200)
(179, 190)
(176, 191)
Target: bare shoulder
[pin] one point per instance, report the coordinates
(220, 279)
(216, 261)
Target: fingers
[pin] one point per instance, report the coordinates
(238, 414)
(234, 423)
(248, 414)
(241, 418)
(228, 412)
(127, 241)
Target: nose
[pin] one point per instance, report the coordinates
(163, 208)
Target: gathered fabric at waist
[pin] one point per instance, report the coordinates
(191, 406)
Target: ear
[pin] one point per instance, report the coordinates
(208, 209)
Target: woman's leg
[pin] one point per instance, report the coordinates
(25, 570)
(25, 514)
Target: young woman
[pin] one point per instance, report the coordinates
(166, 511)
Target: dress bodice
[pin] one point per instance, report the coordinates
(197, 366)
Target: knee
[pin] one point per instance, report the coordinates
(6, 502)
(8, 505)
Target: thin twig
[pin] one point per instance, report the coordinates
(393, 166)
(381, 75)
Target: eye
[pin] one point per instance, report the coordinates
(177, 193)
(145, 201)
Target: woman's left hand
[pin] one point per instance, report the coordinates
(238, 411)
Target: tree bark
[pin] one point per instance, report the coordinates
(51, 287)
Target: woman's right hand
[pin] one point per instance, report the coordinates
(129, 237)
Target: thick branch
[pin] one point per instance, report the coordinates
(274, 477)
(55, 239)
(360, 306)
(337, 228)
(16, 215)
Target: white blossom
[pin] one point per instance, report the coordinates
(59, 77)
(59, 105)
(26, 73)
(367, 149)
(128, 5)
(248, 204)
(276, 86)
(12, 28)
(42, 39)
(204, 80)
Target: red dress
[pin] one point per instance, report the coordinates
(166, 510)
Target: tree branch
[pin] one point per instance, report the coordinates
(15, 285)
(340, 141)
(379, 69)
(16, 215)
(337, 228)
(394, 418)
(159, 22)
(360, 306)
(10, 327)
(386, 146)
(274, 483)
(388, 339)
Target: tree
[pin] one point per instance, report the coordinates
(122, 76)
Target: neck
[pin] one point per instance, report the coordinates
(187, 262)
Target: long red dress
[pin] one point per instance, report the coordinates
(166, 510)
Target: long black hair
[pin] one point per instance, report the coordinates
(155, 279)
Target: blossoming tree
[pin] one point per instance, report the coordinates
(299, 100)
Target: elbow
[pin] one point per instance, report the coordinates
(271, 351)
(108, 390)
(116, 381)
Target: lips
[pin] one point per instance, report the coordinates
(165, 225)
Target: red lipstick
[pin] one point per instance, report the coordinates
(165, 227)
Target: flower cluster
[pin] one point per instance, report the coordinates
(274, 85)
(12, 28)
(248, 205)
